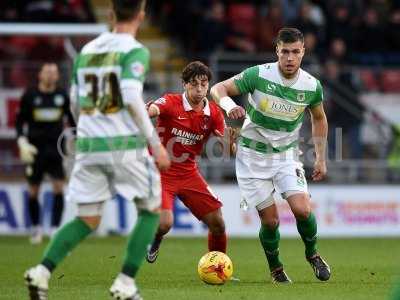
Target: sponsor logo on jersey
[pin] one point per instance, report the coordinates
(59, 100)
(137, 69)
(282, 107)
(271, 87)
(47, 114)
(186, 138)
(205, 122)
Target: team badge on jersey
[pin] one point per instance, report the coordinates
(137, 69)
(205, 122)
(59, 100)
(301, 97)
(37, 101)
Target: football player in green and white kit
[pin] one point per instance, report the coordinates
(112, 135)
(267, 155)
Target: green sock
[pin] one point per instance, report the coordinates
(308, 232)
(269, 239)
(141, 237)
(69, 236)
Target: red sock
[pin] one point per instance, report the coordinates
(217, 242)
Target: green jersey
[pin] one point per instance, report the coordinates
(275, 112)
(105, 67)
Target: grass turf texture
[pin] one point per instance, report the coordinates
(362, 269)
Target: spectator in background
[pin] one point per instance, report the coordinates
(393, 31)
(338, 51)
(311, 56)
(304, 20)
(290, 9)
(344, 109)
(371, 29)
(43, 109)
(339, 26)
(270, 23)
(184, 18)
(313, 32)
(212, 30)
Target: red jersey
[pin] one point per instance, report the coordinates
(184, 131)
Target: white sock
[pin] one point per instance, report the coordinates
(126, 279)
(42, 269)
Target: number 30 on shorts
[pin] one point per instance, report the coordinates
(103, 93)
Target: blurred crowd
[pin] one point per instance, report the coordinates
(19, 50)
(349, 31)
(46, 11)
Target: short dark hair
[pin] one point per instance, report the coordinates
(289, 35)
(126, 10)
(195, 68)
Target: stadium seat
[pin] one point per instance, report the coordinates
(390, 80)
(243, 18)
(12, 109)
(369, 80)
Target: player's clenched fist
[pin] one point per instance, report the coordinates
(237, 112)
(320, 170)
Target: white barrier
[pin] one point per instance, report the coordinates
(340, 211)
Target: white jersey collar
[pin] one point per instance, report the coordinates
(188, 107)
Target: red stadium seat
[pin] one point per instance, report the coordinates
(243, 18)
(369, 80)
(391, 81)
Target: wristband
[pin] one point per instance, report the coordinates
(227, 104)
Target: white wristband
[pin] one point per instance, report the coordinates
(227, 104)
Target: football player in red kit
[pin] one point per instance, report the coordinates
(185, 122)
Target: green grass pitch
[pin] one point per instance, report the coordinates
(361, 269)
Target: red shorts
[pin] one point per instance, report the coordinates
(192, 190)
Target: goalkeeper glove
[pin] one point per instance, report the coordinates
(27, 151)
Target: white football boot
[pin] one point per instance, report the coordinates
(37, 280)
(124, 288)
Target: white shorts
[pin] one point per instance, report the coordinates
(259, 175)
(99, 176)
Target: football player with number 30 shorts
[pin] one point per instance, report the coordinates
(113, 132)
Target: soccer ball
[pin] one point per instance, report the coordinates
(215, 268)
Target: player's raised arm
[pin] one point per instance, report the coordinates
(319, 133)
(135, 66)
(140, 115)
(222, 92)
